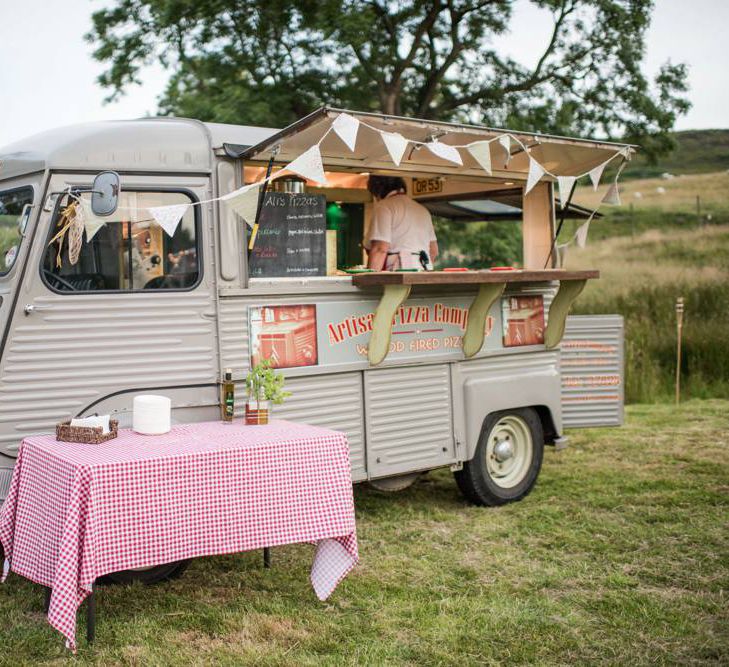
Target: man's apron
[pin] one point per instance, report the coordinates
(408, 259)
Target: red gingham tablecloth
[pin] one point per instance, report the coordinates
(75, 512)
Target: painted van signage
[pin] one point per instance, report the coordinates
(421, 328)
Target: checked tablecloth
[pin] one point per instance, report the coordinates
(75, 512)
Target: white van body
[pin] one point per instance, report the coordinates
(76, 353)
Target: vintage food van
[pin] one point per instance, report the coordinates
(421, 370)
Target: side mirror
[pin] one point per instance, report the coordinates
(105, 193)
(23, 219)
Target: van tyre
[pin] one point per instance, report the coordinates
(507, 460)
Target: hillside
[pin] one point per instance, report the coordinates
(696, 152)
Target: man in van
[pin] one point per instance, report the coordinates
(401, 234)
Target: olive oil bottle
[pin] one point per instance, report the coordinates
(227, 396)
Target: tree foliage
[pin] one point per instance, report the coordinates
(270, 61)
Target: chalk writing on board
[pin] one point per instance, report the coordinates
(291, 238)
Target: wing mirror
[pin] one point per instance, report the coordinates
(105, 193)
(23, 220)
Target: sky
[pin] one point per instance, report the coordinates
(48, 77)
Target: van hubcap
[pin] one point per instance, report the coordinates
(509, 451)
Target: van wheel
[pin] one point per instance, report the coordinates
(147, 575)
(507, 461)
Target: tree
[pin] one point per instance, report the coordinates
(270, 62)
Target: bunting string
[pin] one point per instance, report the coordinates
(310, 165)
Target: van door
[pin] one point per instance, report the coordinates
(18, 210)
(135, 311)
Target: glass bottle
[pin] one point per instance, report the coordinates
(227, 398)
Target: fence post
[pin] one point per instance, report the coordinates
(679, 332)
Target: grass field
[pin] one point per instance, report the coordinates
(619, 556)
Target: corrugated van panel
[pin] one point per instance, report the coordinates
(514, 363)
(408, 419)
(331, 401)
(592, 371)
(76, 349)
(233, 328)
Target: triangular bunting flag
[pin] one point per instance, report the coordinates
(581, 233)
(92, 223)
(481, 151)
(244, 201)
(612, 196)
(596, 175)
(309, 165)
(565, 184)
(168, 217)
(346, 127)
(445, 151)
(505, 142)
(396, 145)
(536, 171)
(562, 254)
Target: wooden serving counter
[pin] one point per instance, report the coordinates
(467, 277)
(396, 287)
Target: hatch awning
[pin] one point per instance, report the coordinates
(559, 155)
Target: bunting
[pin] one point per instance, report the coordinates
(244, 201)
(612, 196)
(481, 152)
(445, 151)
(396, 145)
(505, 143)
(536, 171)
(309, 165)
(562, 249)
(168, 217)
(346, 128)
(92, 222)
(596, 175)
(581, 233)
(565, 184)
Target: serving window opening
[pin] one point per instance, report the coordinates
(479, 224)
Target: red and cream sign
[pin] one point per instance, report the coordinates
(421, 327)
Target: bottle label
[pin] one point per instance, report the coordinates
(229, 404)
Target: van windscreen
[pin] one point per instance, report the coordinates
(14, 213)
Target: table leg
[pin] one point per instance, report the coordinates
(47, 603)
(91, 615)
(477, 313)
(267, 557)
(392, 298)
(568, 291)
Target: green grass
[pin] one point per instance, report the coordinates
(619, 556)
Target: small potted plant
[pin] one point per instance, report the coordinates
(264, 386)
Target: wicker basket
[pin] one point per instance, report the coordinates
(85, 434)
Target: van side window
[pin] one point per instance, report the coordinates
(14, 213)
(127, 252)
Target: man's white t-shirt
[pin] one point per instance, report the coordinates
(403, 223)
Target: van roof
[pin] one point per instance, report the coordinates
(144, 145)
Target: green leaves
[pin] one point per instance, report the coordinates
(263, 383)
(271, 62)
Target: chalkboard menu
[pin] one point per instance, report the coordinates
(291, 240)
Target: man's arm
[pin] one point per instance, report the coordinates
(433, 251)
(377, 255)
